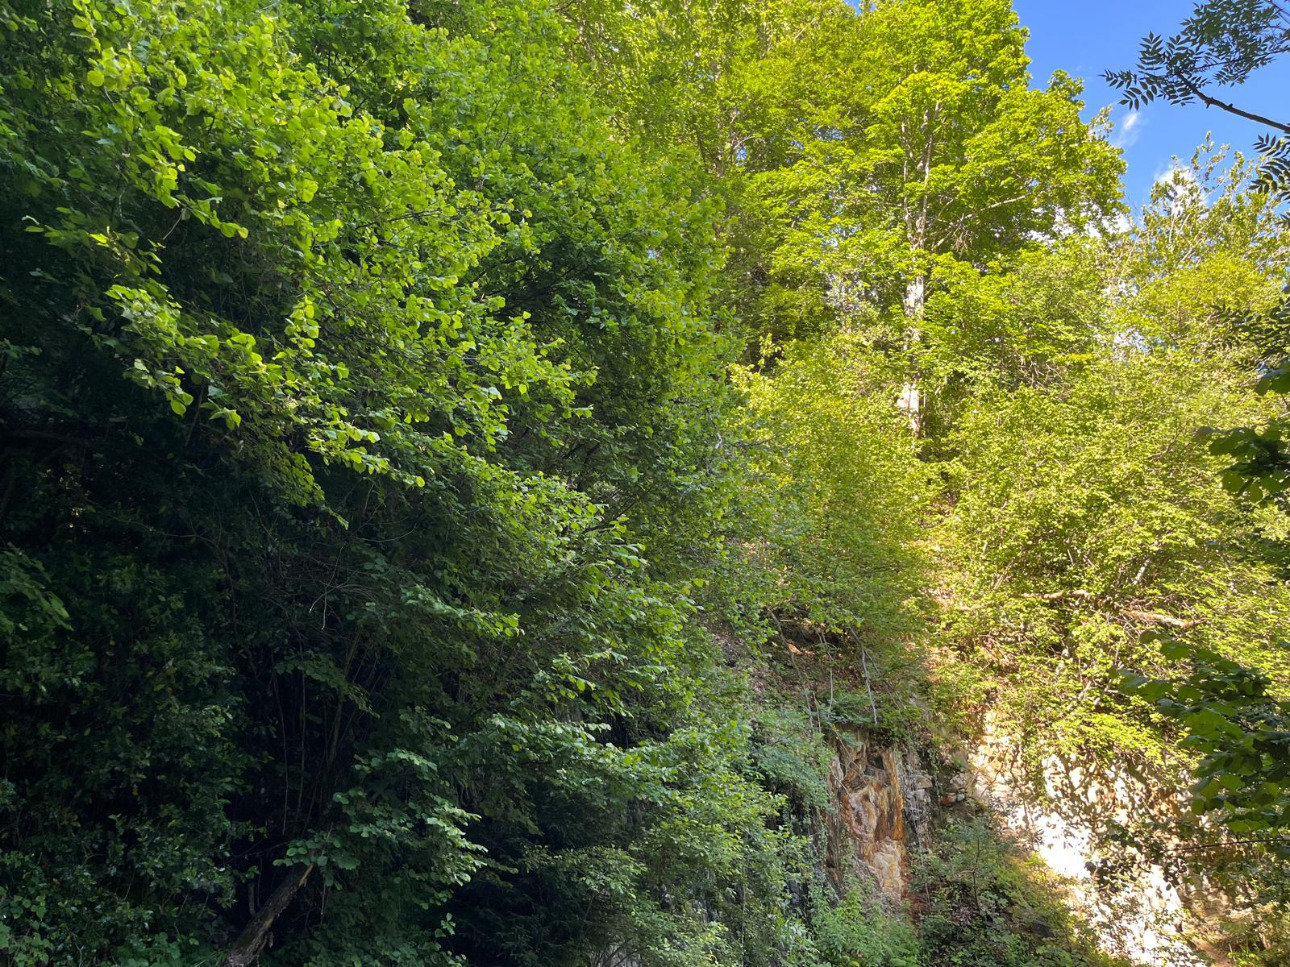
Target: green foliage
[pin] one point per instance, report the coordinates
(858, 931)
(1087, 516)
(1230, 706)
(1085, 511)
(1239, 728)
(987, 905)
(397, 568)
(350, 362)
(840, 491)
(920, 151)
(1025, 321)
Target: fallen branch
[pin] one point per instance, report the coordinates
(1060, 595)
(252, 939)
(1168, 620)
(1151, 617)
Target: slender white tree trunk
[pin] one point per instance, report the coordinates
(911, 395)
(916, 228)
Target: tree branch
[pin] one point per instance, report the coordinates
(1062, 595)
(1168, 620)
(252, 939)
(1231, 108)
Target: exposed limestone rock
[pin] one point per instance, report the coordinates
(883, 803)
(1057, 814)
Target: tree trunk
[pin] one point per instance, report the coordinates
(252, 939)
(911, 395)
(917, 223)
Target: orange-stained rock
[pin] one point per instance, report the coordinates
(876, 792)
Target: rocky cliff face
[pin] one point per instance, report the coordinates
(882, 804)
(1057, 809)
(883, 799)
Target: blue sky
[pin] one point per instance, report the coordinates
(1087, 37)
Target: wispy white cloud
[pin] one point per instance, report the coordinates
(1128, 131)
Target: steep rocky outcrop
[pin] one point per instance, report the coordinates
(1057, 808)
(884, 798)
(882, 802)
